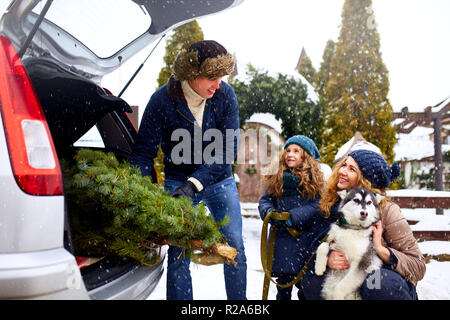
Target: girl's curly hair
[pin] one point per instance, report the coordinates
(311, 177)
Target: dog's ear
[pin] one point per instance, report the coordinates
(379, 197)
(342, 194)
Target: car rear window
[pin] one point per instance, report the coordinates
(104, 26)
(92, 138)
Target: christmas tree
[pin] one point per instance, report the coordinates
(306, 69)
(357, 89)
(115, 210)
(181, 39)
(323, 75)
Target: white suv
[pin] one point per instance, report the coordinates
(53, 57)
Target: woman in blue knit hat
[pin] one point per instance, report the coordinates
(291, 199)
(403, 263)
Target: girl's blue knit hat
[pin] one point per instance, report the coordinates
(306, 143)
(375, 169)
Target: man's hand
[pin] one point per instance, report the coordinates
(187, 189)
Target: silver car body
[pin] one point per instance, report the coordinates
(34, 264)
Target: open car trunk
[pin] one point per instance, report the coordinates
(73, 106)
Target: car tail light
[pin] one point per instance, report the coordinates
(31, 150)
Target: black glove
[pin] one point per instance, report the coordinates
(187, 189)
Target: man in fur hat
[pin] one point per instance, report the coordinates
(183, 116)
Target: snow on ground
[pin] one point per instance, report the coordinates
(436, 283)
(435, 247)
(427, 220)
(208, 282)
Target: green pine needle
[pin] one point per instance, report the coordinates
(114, 210)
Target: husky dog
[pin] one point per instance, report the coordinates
(352, 235)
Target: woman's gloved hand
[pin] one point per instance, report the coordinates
(279, 218)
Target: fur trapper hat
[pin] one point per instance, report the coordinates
(203, 59)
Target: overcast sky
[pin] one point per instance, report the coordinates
(415, 44)
(415, 40)
(414, 36)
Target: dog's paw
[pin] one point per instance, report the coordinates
(319, 270)
(321, 259)
(320, 266)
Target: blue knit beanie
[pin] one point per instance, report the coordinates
(306, 143)
(375, 169)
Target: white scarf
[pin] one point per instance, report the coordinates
(195, 102)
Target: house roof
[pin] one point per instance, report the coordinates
(267, 119)
(416, 145)
(357, 142)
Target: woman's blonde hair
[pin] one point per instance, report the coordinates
(330, 196)
(311, 176)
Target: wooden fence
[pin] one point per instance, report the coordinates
(415, 199)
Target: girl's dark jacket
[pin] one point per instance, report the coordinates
(168, 120)
(291, 254)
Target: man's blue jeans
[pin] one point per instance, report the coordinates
(222, 199)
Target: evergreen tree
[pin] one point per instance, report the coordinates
(306, 69)
(356, 93)
(181, 39)
(283, 96)
(323, 75)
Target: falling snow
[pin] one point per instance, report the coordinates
(434, 286)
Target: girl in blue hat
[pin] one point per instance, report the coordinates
(291, 199)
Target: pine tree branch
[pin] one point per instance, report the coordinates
(113, 209)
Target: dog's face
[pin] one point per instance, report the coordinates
(359, 207)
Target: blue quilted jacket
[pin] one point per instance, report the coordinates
(167, 119)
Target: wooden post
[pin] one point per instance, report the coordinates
(428, 119)
(438, 163)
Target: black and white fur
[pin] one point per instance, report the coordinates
(352, 235)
